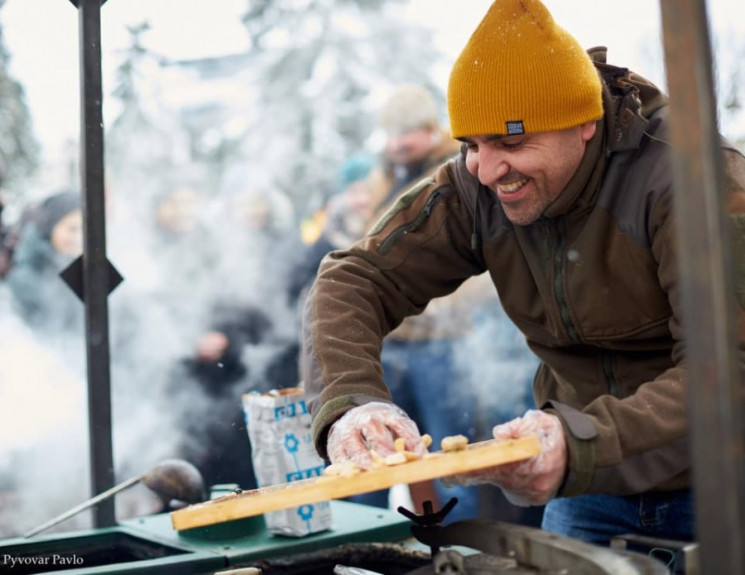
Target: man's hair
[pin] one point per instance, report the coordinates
(521, 73)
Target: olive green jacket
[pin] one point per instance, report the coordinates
(593, 285)
(448, 317)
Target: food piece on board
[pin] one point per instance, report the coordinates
(454, 443)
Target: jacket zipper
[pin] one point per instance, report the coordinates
(388, 243)
(559, 275)
(608, 373)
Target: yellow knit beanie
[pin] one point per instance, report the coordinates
(521, 73)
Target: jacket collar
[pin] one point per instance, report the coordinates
(628, 100)
(586, 179)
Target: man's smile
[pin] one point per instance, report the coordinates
(513, 191)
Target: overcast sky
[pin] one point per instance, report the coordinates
(42, 37)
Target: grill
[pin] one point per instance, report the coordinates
(364, 541)
(473, 547)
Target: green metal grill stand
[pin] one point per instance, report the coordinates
(149, 545)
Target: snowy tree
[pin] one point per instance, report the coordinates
(19, 149)
(729, 51)
(287, 113)
(141, 138)
(323, 69)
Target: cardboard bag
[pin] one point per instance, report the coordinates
(278, 424)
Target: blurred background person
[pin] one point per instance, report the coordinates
(246, 338)
(415, 144)
(160, 242)
(345, 218)
(209, 383)
(50, 239)
(182, 243)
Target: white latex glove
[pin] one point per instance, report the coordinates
(372, 426)
(532, 481)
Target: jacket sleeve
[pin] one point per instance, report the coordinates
(419, 250)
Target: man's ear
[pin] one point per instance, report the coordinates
(587, 130)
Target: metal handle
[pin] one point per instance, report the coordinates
(75, 510)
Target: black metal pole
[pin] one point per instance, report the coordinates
(95, 264)
(707, 290)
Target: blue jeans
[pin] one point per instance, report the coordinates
(597, 518)
(424, 382)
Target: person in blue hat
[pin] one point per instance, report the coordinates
(345, 218)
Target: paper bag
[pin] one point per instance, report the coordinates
(278, 424)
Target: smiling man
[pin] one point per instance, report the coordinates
(502, 164)
(563, 192)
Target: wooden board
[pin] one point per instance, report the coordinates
(285, 495)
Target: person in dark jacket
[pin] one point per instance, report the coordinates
(212, 381)
(242, 345)
(563, 192)
(49, 241)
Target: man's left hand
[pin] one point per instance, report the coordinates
(533, 481)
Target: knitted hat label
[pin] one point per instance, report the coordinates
(515, 128)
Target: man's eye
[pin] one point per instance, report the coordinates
(466, 147)
(512, 145)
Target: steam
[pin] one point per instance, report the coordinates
(498, 366)
(172, 284)
(43, 435)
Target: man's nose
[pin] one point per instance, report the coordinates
(492, 165)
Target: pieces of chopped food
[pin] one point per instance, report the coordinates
(454, 443)
(399, 444)
(396, 458)
(402, 455)
(377, 459)
(343, 469)
(411, 456)
(349, 468)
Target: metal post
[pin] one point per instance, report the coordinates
(95, 264)
(707, 289)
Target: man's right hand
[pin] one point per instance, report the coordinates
(372, 426)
